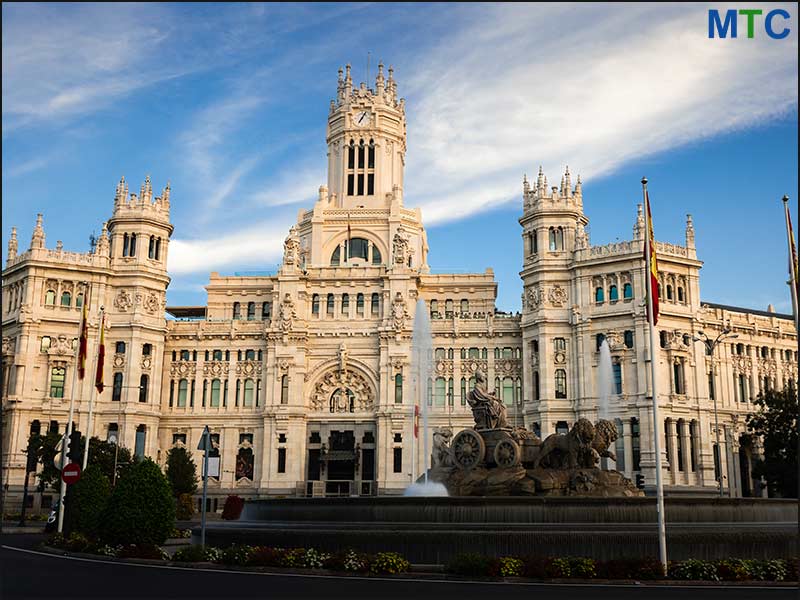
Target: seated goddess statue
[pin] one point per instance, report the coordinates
(487, 409)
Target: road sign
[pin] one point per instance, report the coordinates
(205, 442)
(213, 466)
(71, 473)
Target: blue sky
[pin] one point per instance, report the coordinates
(229, 102)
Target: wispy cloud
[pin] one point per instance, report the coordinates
(512, 90)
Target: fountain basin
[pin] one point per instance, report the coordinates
(436, 529)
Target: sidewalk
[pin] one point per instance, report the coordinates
(10, 527)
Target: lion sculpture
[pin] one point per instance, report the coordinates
(605, 434)
(565, 450)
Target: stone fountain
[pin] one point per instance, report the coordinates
(495, 459)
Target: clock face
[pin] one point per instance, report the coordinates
(361, 118)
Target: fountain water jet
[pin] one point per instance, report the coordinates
(604, 380)
(421, 361)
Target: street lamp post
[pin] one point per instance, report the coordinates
(710, 346)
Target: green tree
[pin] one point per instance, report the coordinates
(181, 472)
(141, 509)
(775, 422)
(88, 499)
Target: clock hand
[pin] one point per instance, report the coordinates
(362, 118)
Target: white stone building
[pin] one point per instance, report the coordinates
(302, 376)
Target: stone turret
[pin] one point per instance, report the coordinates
(102, 247)
(12, 245)
(689, 232)
(638, 226)
(37, 239)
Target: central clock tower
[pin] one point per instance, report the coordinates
(366, 138)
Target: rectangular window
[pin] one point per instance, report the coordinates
(371, 158)
(351, 179)
(57, 377)
(370, 184)
(617, 367)
(351, 158)
(398, 388)
(711, 386)
(191, 397)
(281, 460)
(361, 157)
(171, 392)
(398, 460)
(360, 184)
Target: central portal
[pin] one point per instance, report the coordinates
(340, 459)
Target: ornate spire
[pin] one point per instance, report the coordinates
(12, 244)
(638, 227)
(578, 188)
(102, 247)
(563, 188)
(379, 80)
(147, 191)
(165, 195)
(689, 232)
(119, 195)
(568, 182)
(540, 179)
(526, 186)
(37, 239)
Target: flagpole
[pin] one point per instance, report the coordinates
(63, 489)
(792, 259)
(662, 534)
(92, 393)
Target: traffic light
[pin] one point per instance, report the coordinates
(640, 481)
(74, 453)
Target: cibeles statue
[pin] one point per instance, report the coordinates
(487, 409)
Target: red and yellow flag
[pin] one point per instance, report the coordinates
(83, 343)
(650, 261)
(101, 354)
(416, 420)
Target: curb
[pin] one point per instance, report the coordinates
(429, 572)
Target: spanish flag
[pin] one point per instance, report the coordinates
(650, 261)
(101, 354)
(416, 420)
(83, 343)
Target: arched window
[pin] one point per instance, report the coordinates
(450, 353)
(662, 338)
(560, 344)
(680, 294)
(484, 353)
(329, 304)
(315, 304)
(186, 355)
(463, 391)
(560, 238)
(147, 349)
(669, 292)
(66, 299)
(613, 294)
(463, 353)
(132, 249)
(285, 389)
(561, 383)
(120, 348)
(599, 296)
(619, 448)
(552, 238)
(628, 338)
(183, 391)
(151, 248)
(434, 308)
(562, 427)
(474, 353)
(342, 395)
(215, 389)
(448, 309)
(57, 377)
(360, 304)
(116, 391)
(266, 310)
(50, 298)
(251, 311)
(536, 393)
(635, 443)
(36, 427)
(79, 300)
(249, 392)
(141, 437)
(249, 354)
(237, 311)
(616, 369)
(45, 345)
(144, 384)
(398, 388)
(677, 373)
(345, 304)
(464, 306)
(359, 248)
(508, 391)
(376, 255)
(497, 353)
(599, 339)
(158, 248)
(627, 291)
(125, 244)
(336, 256)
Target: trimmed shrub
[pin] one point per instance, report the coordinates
(558, 568)
(264, 556)
(57, 540)
(185, 507)
(733, 569)
(292, 557)
(77, 542)
(141, 509)
(196, 554)
(349, 560)
(776, 570)
(233, 508)
(90, 496)
(314, 559)
(388, 563)
(151, 551)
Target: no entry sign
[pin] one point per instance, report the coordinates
(71, 473)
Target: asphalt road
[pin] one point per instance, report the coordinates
(28, 574)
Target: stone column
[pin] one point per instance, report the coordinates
(627, 443)
(673, 450)
(686, 454)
